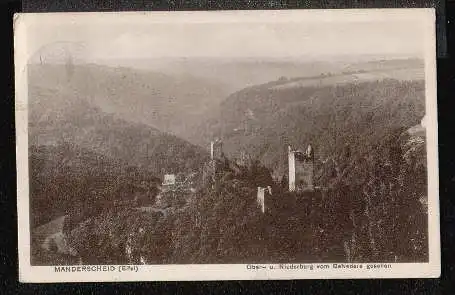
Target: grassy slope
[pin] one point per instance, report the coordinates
(148, 97)
(328, 112)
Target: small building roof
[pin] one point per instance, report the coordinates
(169, 179)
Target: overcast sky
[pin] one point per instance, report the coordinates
(111, 38)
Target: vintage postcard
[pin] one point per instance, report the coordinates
(168, 146)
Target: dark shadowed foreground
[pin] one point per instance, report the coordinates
(372, 210)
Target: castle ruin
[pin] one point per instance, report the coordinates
(263, 193)
(216, 156)
(216, 149)
(301, 170)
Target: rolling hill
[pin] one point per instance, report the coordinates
(85, 160)
(64, 116)
(79, 153)
(238, 73)
(355, 108)
(167, 102)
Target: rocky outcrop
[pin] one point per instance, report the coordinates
(413, 144)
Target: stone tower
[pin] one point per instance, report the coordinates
(301, 170)
(262, 195)
(216, 149)
(216, 158)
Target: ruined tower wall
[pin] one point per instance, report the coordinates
(263, 194)
(214, 166)
(216, 149)
(301, 171)
(300, 174)
(291, 176)
(306, 175)
(261, 199)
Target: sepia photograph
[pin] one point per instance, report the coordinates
(280, 140)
